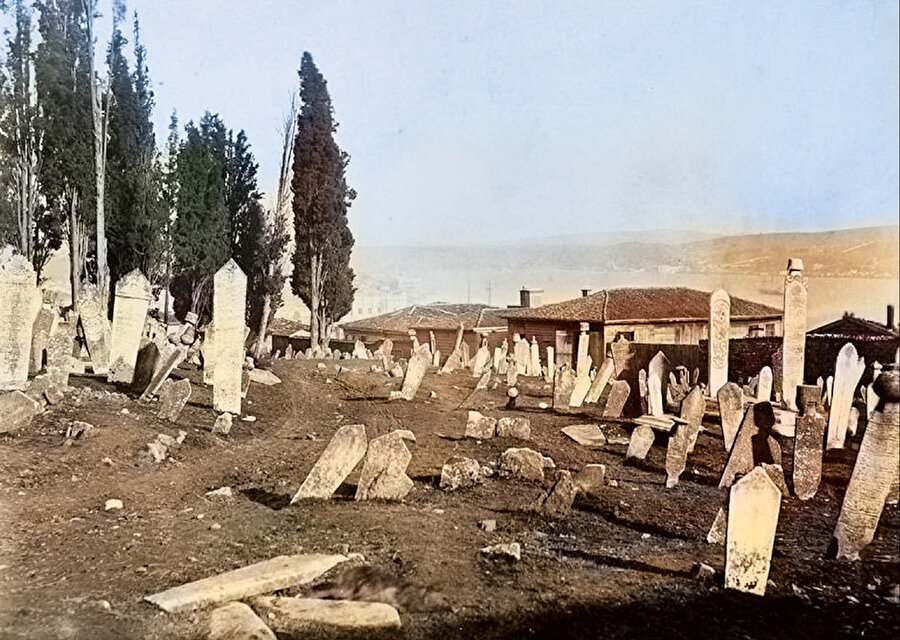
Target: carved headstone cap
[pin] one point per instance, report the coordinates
(887, 385)
(795, 264)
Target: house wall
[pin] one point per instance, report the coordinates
(686, 332)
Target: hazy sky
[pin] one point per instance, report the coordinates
(473, 121)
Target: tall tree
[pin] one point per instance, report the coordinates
(321, 275)
(62, 81)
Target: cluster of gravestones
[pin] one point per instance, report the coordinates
(40, 347)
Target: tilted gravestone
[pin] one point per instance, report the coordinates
(96, 328)
(383, 476)
(847, 374)
(600, 381)
(582, 385)
(229, 303)
(753, 445)
(20, 302)
(563, 385)
(685, 433)
(415, 373)
(809, 435)
(172, 398)
(641, 440)
(615, 401)
(719, 335)
(343, 453)
(44, 325)
(753, 508)
(731, 411)
(132, 300)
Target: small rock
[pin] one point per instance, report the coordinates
(113, 504)
(222, 425)
(507, 550)
(264, 377)
(107, 461)
(523, 463)
(158, 450)
(460, 472)
(215, 526)
(488, 525)
(480, 427)
(704, 572)
(221, 492)
(80, 429)
(321, 365)
(432, 394)
(514, 428)
(248, 419)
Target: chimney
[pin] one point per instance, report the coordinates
(890, 316)
(585, 293)
(529, 298)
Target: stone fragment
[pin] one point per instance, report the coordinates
(308, 617)
(484, 381)
(808, 443)
(383, 475)
(681, 442)
(522, 463)
(704, 572)
(20, 301)
(731, 411)
(618, 396)
(264, 377)
(776, 473)
(717, 531)
(847, 374)
(506, 550)
(793, 349)
(590, 480)
(488, 525)
(480, 427)
(113, 504)
(221, 492)
(719, 335)
(514, 428)
(172, 398)
(236, 621)
(460, 472)
(222, 425)
(558, 501)
(166, 364)
(17, 410)
(657, 423)
(588, 435)
(452, 363)
(563, 385)
(158, 450)
(641, 440)
(229, 303)
(343, 453)
(753, 508)
(270, 575)
(607, 369)
(132, 300)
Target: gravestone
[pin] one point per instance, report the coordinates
(587, 435)
(754, 505)
(453, 362)
(208, 351)
(535, 360)
(731, 411)
(172, 398)
(383, 476)
(17, 410)
(130, 307)
(660, 366)
(619, 391)
(551, 365)
(19, 303)
(464, 355)
(44, 325)
(809, 436)
(719, 331)
(498, 356)
(514, 428)
(753, 445)
(874, 473)
(359, 350)
(563, 385)
(385, 348)
(622, 354)
(480, 427)
(764, 387)
(512, 376)
(582, 385)
(582, 366)
(643, 391)
(343, 453)
(600, 381)
(229, 302)
(793, 348)
(654, 396)
(853, 421)
(639, 445)
(484, 381)
(59, 352)
(523, 354)
(482, 361)
(680, 443)
(558, 500)
(847, 373)
(415, 372)
(95, 325)
(829, 386)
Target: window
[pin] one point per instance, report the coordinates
(770, 329)
(628, 335)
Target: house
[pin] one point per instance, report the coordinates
(441, 318)
(656, 315)
(874, 341)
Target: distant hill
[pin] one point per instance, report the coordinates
(610, 238)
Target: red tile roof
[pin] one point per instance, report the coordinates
(431, 316)
(649, 304)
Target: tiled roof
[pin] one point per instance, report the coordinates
(853, 327)
(431, 316)
(652, 304)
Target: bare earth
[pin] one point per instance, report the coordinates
(616, 567)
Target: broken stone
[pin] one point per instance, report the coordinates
(264, 377)
(113, 504)
(753, 508)
(172, 398)
(717, 531)
(17, 410)
(704, 572)
(480, 427)
(221, 492)
(295, 617)
(590, 480)
(685, 435)
(607, 369)
(165, 365)
(514, 428)
(558, 502)
(587, 435)
(641, 440)
(460, 472)
(618, 396)
(79, 429)
(523, 463)
(383, 475)
(343, 453)
(275, 574)
(506, 550)
(158, 450)
(236, 621)
(563, 385)
(406, 434)
(222, 425)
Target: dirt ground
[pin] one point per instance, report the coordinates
(616, 567)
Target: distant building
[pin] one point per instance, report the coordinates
(663, 315)
(441, 318)
(851, 328)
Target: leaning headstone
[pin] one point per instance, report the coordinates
(172, 398)
(847, 373)
(453, 362)
(165, 365)
(482, 361)
(600, 381)
(719, 335)
(753, 507)
(731, 411)
(639, 445)
(718, 530)
(618, 396)
(654, 395)
(685, 433)
(793, 350)
(764, 387)
(563, 385)
(229, 298)
(582, 385)
(145, 366)
(343, 453)
(383, 475)
(874, 472)
(95, 325)
(415, 372)
(44, 325)
(809, 435)
(59, 353)
(19, 303)
(130, 307)
(484, 381)
(480, 427)
(753, 445)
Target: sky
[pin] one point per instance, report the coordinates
(476, 121)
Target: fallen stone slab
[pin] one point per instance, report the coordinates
(236, 621)
(383, 475)
(506, 550)
(480, 427)
(343, 453)
(558, 501)
(264, 376)
(588, 435)
(514, 428)
(16, 411)
(460, 472)
(172, 398)
(263, 577)
(296, 616)
(641, 440)
(523, 463)
(222, 425)
(658, 423)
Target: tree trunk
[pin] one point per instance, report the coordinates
(77, 247)
(314, 301)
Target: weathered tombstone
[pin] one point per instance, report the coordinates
(523, 355)
(415, 372)
(95, 325)
(44, 325)
(132, 301)
(551, 365)
(793, 349)
(480, 427)
(563, 385)
(753, 445)
(719, 335)
(619, 391)
(19, 303)
(600, 381)
(484, 381)
(874, 472)
(535, 357)
(59, 352)
(582, 385)
(172, 398)
(853, 421)
(514, 428)
(809, 435)
(229, 302)
(643, 391)
(731, 411)
(847, 373)
(685, 433)
(639, 445)
(482, 361)
(654, 395)
(208, 352)
(359, 350)
(383, 476)
(464, 355)
(385, 348)
(453, 362)
(498, 356)
(764, 387)
(582, 366)
(753, 508)
(343, 453)
(871, 394)
(512, 376)
(588, 435)
(558, 501)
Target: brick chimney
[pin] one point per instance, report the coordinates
(585, 293)
(529, 298)
(890, 316)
